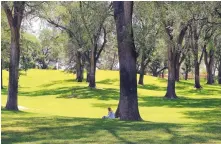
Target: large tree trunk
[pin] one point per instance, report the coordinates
(171, 94)
(79, 68)
(14, 20)
(12, 102)
(128, 104)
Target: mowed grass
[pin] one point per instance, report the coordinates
(54, 108)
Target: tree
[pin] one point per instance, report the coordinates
(85, 23)
(217, 43)
(188, 64)
(201, 14)
(175, 25)
(14, 21)
(29, 47)
(209, 54)
(128, 104)
(5, 44)
(146, 28)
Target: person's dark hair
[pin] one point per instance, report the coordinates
(109, 109)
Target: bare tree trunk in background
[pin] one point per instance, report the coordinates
(112, 65)
(79, 68)
(219, 73)
(92, 69)
(141, 77)
(197, 77)
(128, 104)
(209, 62)
(14, 20)
(1, 74)
(171, 94)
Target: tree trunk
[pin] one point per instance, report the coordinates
(14, 20)
(1, 74)
(128, 104)
(12, 102)
(79, 68)
(92, 69)
(154, 72)
(171, 94)
(162, 74)
(141, 78)
(209, 62)
(209, 74)
(44, 65)
(88, 73)
(197, 75)
(186, 74)
(112, 64)
(141, 71)
(177, 72)
(219, 73)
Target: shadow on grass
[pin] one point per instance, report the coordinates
(181, 102)
(151, 87)
(213, 115)
(108, 81)
(79, 92)
(86, 92)
(202, 92)
(58, 82)
(25, 127)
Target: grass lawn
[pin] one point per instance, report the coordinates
(56, 109)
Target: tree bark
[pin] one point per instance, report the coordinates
(186, 74)
(141, 71)
(197, 76)
(177, 72)
(79, 68)
(92, 69)
(112, 64)
(128, 104)
(14, 20)
(171, 94)
(1, 74)
(209, 62)
(219, 73)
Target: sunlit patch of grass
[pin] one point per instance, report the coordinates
(60, 110)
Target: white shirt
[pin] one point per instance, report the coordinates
(111, 115)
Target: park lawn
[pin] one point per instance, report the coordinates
(56, 109)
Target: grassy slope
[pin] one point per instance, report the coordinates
(60, 110)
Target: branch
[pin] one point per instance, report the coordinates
(8, 12)
(161, 70)
(201, 57)
(66, 29)
(102, 47)
(85, 25)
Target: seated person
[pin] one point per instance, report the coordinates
(110, 115)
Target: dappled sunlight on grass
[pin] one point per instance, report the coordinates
(60, 110)
(57, 129)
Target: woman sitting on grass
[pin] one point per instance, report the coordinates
(110, 115)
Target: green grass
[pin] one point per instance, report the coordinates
(57, 109)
